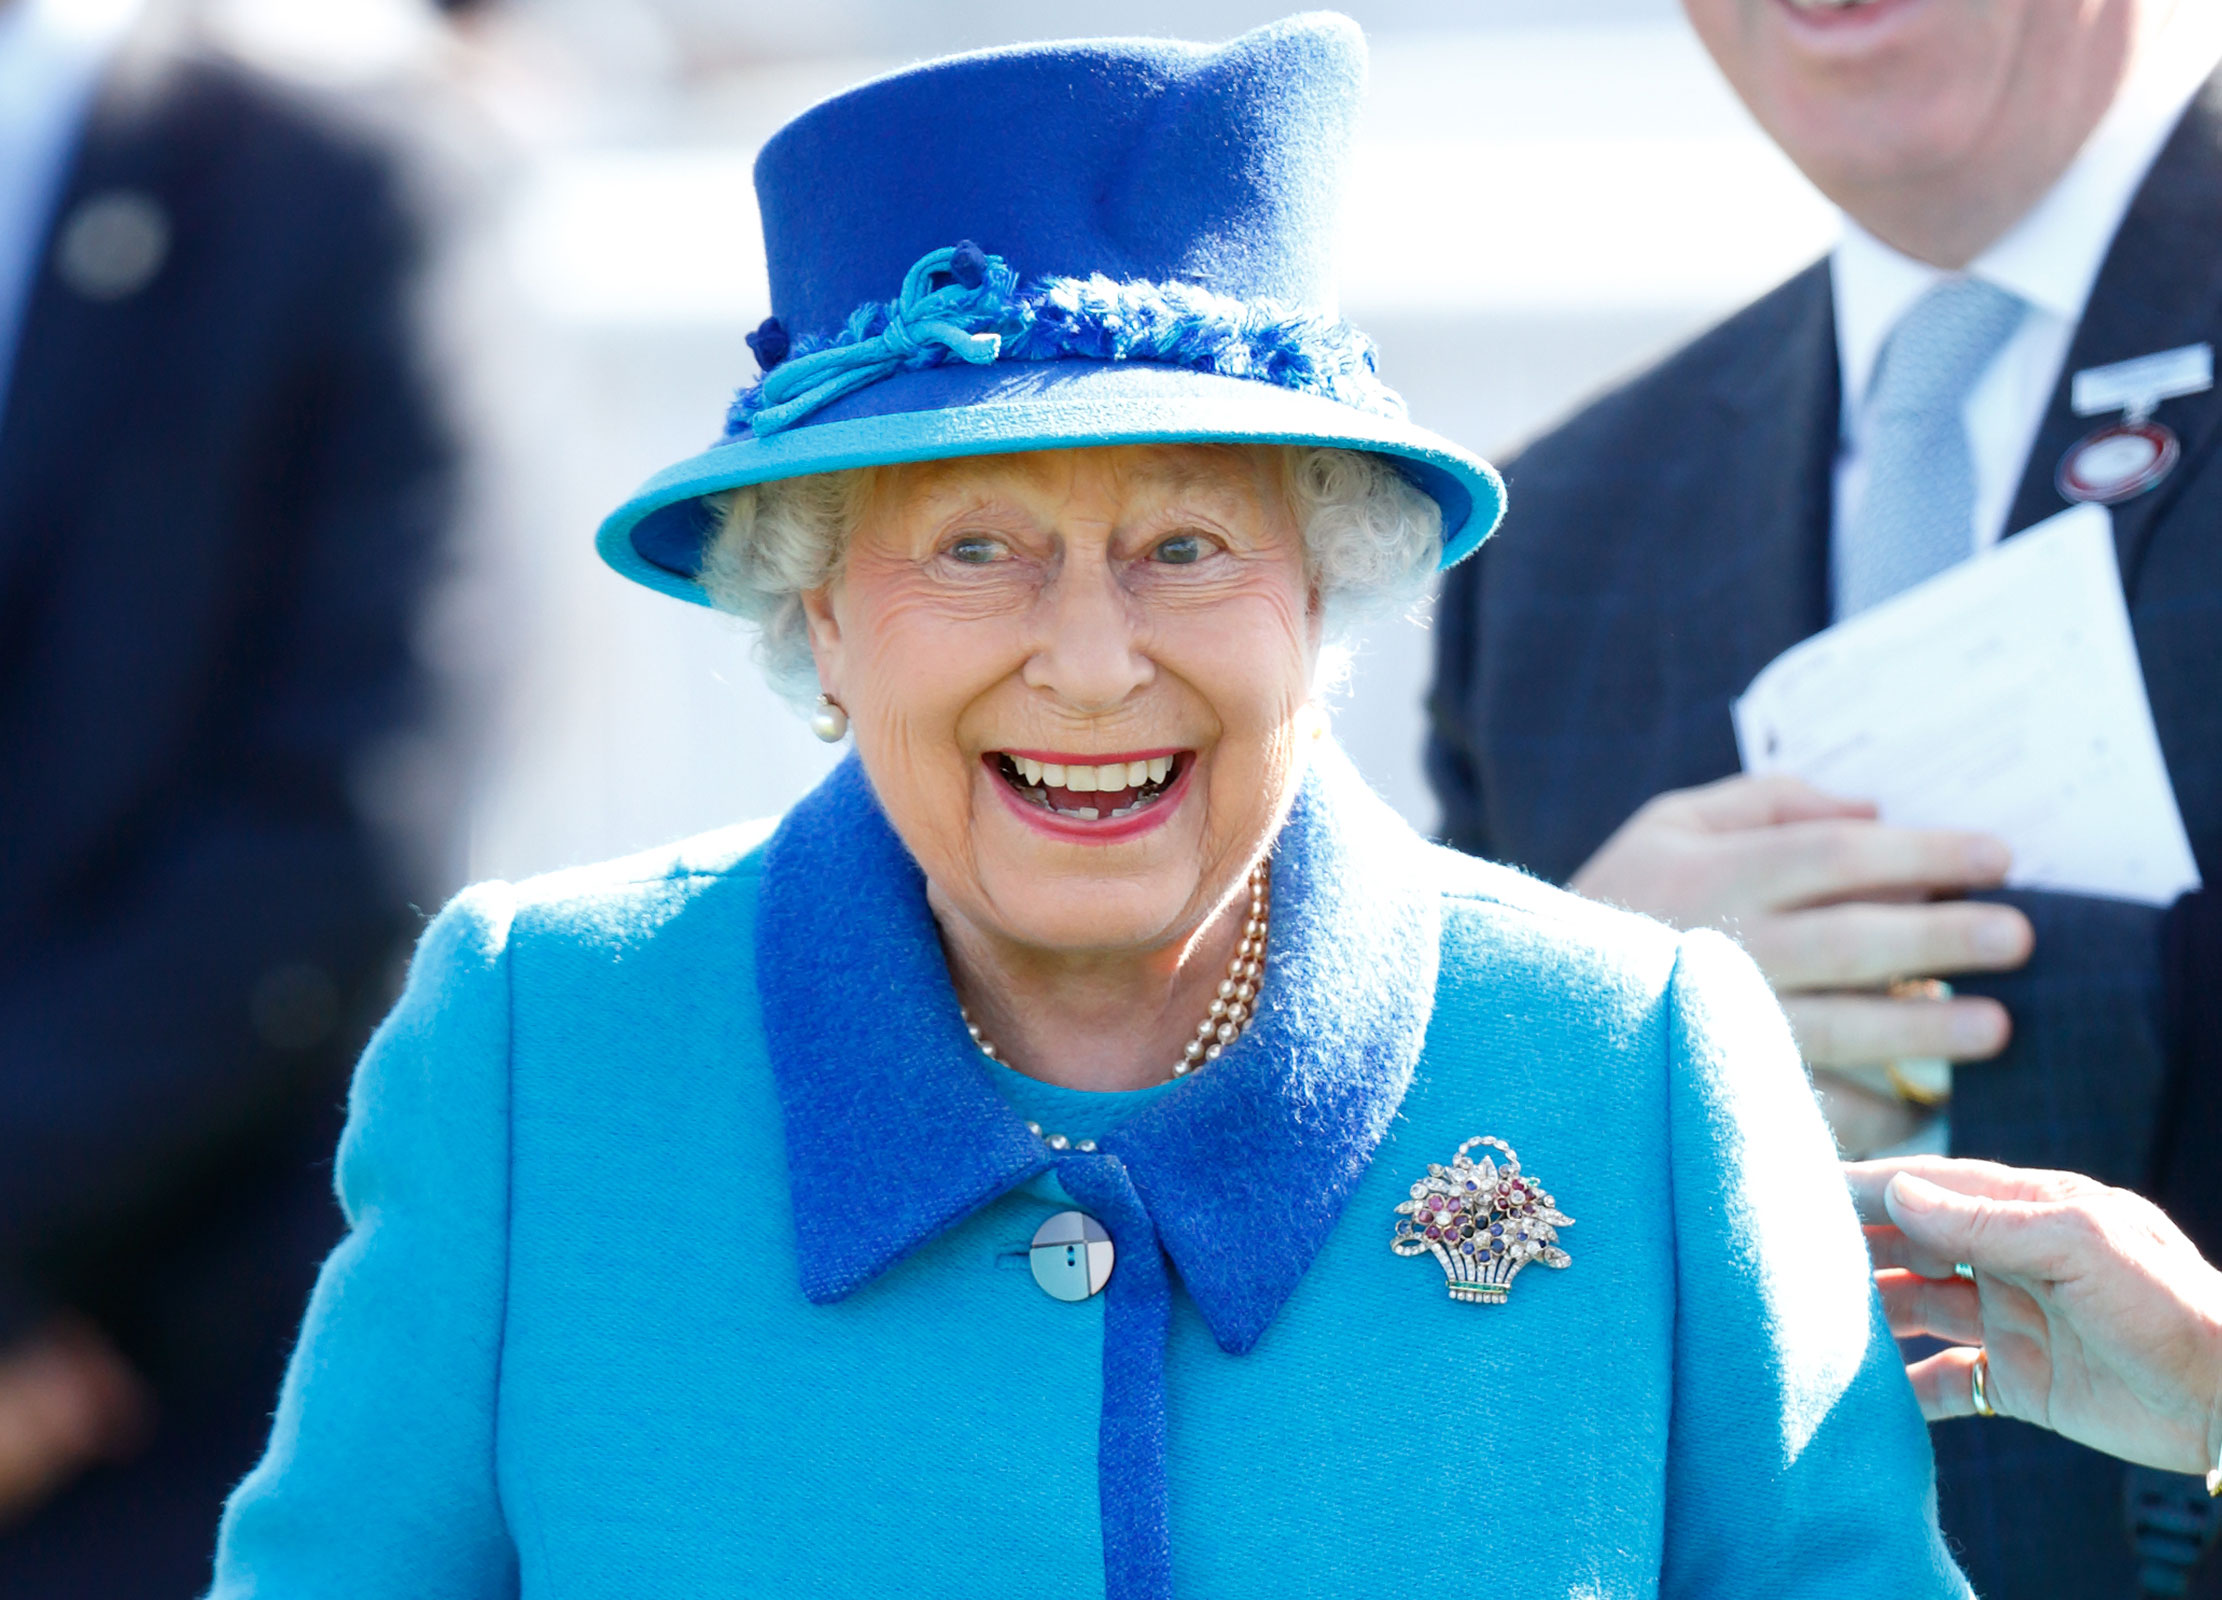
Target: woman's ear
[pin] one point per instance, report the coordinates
(825, 636)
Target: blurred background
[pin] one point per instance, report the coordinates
(1549, 193)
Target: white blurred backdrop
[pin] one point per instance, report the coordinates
(1549, 193)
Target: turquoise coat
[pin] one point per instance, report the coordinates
(689, 1258)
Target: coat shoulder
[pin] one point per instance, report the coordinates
(618, 903)
(1512, 941)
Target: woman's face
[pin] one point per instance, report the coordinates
(1077, 680)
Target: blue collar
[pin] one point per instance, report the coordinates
(1244, 1167)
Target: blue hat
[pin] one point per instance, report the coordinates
(1112, 241)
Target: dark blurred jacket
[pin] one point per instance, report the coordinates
(221, 486)
(1670, 541)
(2187, 1175)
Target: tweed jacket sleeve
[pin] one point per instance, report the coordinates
(1795, 1447)
(379, 1479)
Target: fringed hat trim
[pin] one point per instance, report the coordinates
(962, 304)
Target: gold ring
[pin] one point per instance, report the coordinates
(1920, 1083)
(1981, 1372)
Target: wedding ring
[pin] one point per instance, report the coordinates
(1963, 1271)
(1925, 1081)
(1980, 1384)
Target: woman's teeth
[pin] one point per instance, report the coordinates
(1057, 784)
(1108, 778)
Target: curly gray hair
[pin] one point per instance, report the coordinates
(1371, 543)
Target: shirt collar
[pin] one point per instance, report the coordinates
(1244, 1167)
(2052, 256)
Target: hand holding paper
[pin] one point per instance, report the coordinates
(1994, 714)
(2003, 696)
(1832, 904)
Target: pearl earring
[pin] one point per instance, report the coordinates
(829, 722)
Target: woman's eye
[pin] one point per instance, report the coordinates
(976, 552)
(1181, 550)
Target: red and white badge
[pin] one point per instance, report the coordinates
(2117, 463)
(2124, 459)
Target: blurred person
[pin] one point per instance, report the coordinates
(1000, 1177)
(220, 484)
(2070, 1304)
(2030, 189)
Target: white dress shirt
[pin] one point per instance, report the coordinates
(2050, 259)
(51, 56)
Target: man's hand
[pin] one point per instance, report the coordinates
(1833, 905)
(67, 1401)
(2100, 1319)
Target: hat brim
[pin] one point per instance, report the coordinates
(657, 537)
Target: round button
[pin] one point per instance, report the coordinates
(113, 244)
(1072, 1256)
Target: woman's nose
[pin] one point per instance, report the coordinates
(1090, 652)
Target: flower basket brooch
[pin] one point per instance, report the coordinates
(1483, 1223)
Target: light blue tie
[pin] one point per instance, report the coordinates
(1917, 516)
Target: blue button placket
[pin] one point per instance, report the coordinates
(1130, 1461)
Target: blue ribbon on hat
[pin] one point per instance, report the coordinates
(964, 304)
(880, 341)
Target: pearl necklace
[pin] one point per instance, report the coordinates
(1231, 1009)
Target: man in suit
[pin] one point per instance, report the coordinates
(221, 485)
(2031, 188)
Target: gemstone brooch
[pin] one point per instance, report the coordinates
(1482, 1223)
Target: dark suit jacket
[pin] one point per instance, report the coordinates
(219, 490)
(1672, 539)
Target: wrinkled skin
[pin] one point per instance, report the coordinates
(1093, 603)
(2098, 1318)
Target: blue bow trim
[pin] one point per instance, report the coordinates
(963, 304)
(923, 327)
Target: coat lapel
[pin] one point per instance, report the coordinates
(1244, 1168)
(2160, 287)
(868, 1049)
(1768, 543)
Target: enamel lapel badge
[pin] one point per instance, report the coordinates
(2123, 459)
(1483, 1223)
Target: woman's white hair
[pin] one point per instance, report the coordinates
(1371, 543)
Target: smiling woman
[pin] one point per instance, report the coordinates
(687, 1191)
(1076, 664)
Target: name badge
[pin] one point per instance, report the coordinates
(2124, 459)
(2137, 386)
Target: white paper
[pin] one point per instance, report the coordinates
(2003, 695)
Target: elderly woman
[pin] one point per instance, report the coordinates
(1092, 1146)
